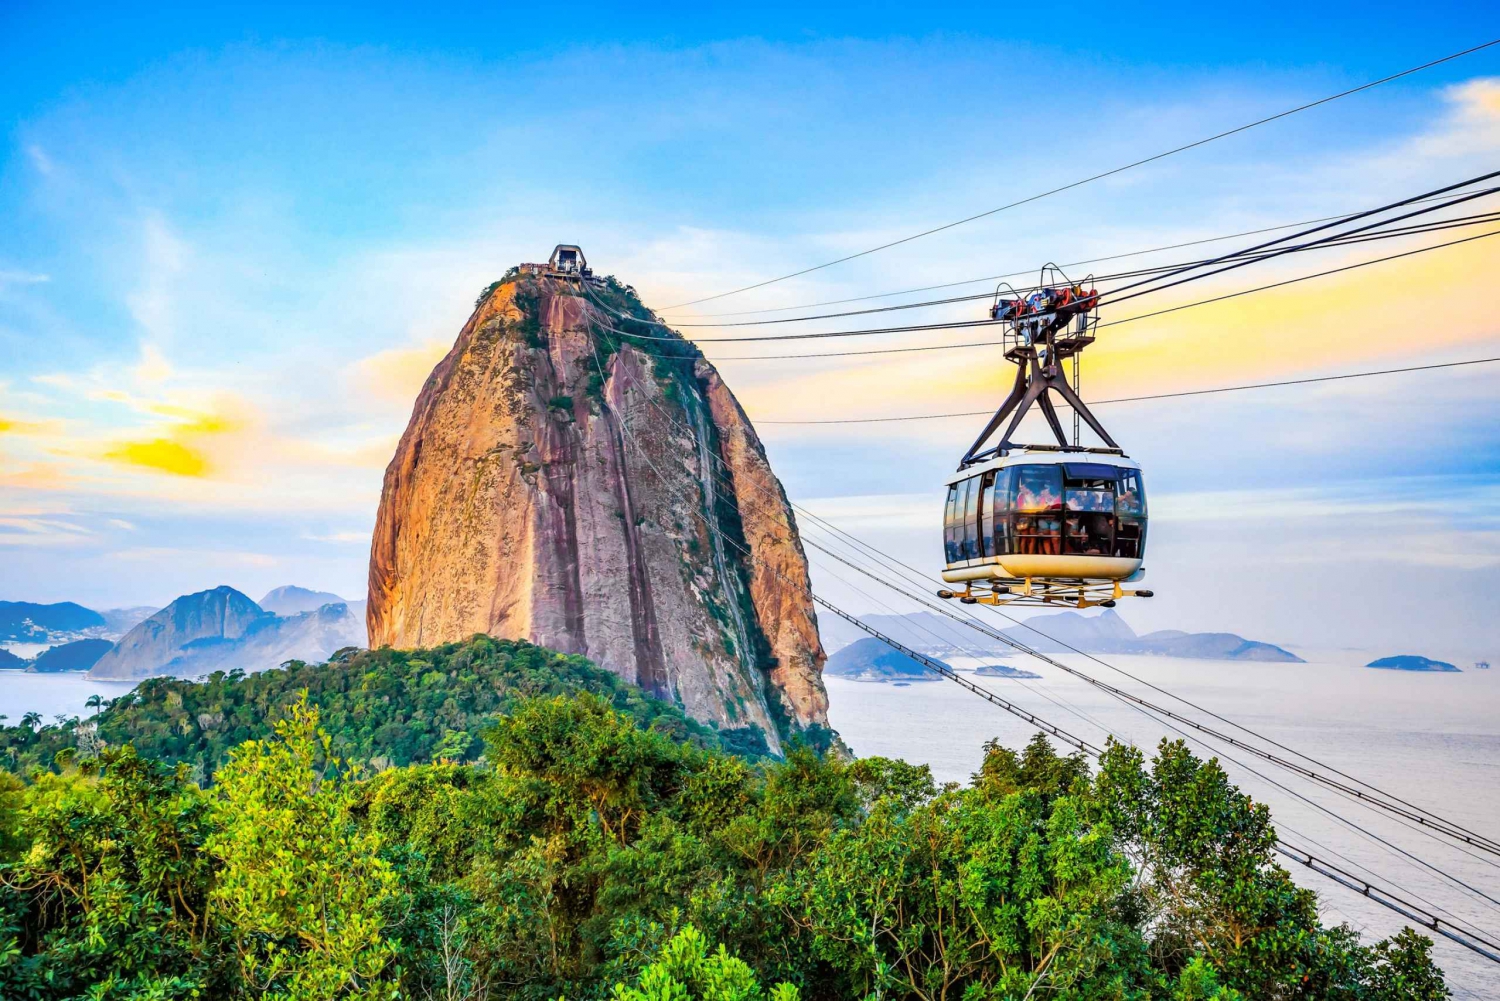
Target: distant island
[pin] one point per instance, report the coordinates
(1411, 662)
(1001, 671)
(871, 659)
(939, 636)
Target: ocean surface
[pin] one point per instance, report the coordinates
(1432, 739)
(53, 695)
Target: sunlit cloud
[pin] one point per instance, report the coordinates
(153, 367)
(397, 374)
(162, 455)
(360, 538)
(205, 558)
(40, 531)
(162, 257)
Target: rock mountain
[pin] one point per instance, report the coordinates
(223, 630)
(598, 494)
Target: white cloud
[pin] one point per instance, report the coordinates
(162, 257)
(342, 537)
(39, 159)
(202, 558)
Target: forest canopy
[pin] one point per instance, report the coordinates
(591, 844)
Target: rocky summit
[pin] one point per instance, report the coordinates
(577, 477)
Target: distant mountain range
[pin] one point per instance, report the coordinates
(1411, 662)
(27, 622)
(219, 629)
(937, 636)
(294, 600)
(223, 630)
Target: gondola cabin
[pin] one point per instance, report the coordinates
(1048, 515)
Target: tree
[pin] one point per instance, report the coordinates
(301, 887)
(104, 881)
(687, 971)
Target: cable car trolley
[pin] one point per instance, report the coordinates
(1056, 523)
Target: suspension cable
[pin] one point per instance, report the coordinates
(1099, 176)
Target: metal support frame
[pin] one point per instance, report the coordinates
(1051, 591)
(1039, 373)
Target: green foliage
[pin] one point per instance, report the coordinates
(105, 885)
(561, 403)
(599, 846)
(687, 971)
(489, 290)
(299, 883)
(382, 708)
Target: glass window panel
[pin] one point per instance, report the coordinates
(1131, 495)
(971, 519)
(1089, 533)
(950, 547)
(1130, 538)
(1038, 488)
(953, 524)
(1091, 471)
(1000, 505)
(987, 516)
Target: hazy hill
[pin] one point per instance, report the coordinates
(939, 636)
(290, 599)
(27, 621)
(871, 659)
(119, 621)
(926, 632)
(223, 630)
(1411, 662)
(80, 655)
(10, 662)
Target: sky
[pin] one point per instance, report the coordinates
(236, 241)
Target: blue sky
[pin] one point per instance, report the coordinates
(236, 240)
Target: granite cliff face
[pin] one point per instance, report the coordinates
(601, 495)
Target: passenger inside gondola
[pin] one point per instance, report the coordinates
(1038, 509)
(1090, 522)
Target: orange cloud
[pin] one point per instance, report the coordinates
(398, 373)
(181, 449)
(10, 425)
(161, 454)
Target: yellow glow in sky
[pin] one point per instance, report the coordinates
(161, 454)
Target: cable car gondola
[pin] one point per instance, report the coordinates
(1056, 523)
